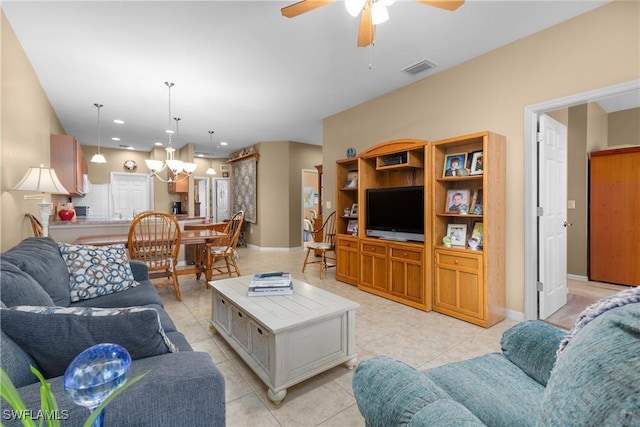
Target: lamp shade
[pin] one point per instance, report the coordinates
(98, 158)
(42, 180)
(211, 171)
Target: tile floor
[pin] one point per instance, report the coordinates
(383, 327)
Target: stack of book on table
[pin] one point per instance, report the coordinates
(268, 284)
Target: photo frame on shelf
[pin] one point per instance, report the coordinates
(477, 232)
(352, 226)
(475, 164)
(475, 207)
(354, 210)
(457, 200)
(454, 165)
(458, 234)
(352, 179)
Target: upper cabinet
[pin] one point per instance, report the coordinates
(68, 161)
(181, 183)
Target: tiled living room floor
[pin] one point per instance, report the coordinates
(383, 327)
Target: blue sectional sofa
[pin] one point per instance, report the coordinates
(43, 327)
(593, 381)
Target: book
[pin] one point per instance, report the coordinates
(270, 280)
(270, 291)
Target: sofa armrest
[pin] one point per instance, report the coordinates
(139, 269)
(391, 393)
(532, 347)
(183, 388)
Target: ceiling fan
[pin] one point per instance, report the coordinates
(368, 10)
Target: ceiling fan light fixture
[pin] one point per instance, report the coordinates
(354, 6)
(379, 13)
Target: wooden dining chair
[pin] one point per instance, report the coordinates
(225, 249)
(154, 238)
(324, 242)
(35, 225)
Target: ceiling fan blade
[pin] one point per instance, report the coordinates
(443, 4)
(365, 33)
(303, 6)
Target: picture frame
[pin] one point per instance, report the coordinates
(352, 179)
(477, 232)
(456, 197)
(475, 207)
(458, 234)
(354, 210)
(475, 164)
(352, 226)
(454, 165)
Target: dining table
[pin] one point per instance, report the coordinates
(201, 235)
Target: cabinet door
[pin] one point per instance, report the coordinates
(347, 259)
(373, 266)
(67, 160)
(406, 273)
(179, 186)
(458, 287)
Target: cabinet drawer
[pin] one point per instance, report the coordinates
(470, 262)
(406, 254)
(374, 249)
(221, 312)
(240, 327)
(347, 244)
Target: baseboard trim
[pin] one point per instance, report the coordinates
(514, 315)
(577, 278)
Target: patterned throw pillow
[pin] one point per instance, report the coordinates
(96, 270)
(54, 336)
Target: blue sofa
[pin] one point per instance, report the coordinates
(181, 387)
(593, 381)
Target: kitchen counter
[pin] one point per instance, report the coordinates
(69, 231)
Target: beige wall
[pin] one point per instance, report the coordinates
(280, 193)
(490, 92)
(624, 128)
(27, 122)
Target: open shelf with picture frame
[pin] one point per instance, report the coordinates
(468, 237)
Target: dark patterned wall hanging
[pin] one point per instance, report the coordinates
(243, 187)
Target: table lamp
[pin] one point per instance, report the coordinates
(42, 180)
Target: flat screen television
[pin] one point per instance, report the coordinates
(396, 213)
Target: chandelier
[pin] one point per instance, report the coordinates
(179, 170)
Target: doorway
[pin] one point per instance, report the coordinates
(201, 196)
(532, 114)
(310, 204)
(221, 208)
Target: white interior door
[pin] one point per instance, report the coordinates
(130, 193)
(221, 188)
(552, 223)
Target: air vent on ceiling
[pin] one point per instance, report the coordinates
(419, 67)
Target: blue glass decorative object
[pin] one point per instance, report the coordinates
(96, 373)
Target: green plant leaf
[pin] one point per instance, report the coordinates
(112, 396)
(48, 403)
(9, 393)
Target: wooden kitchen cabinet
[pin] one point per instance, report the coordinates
(179, 186)
(347, 259)
(68, 161)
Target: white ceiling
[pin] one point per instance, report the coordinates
(239, 67)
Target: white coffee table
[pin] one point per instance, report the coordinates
(285, 339)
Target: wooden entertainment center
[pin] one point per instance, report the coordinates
(458, 280)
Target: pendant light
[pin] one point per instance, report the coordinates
(211, 170)
(98, 158)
